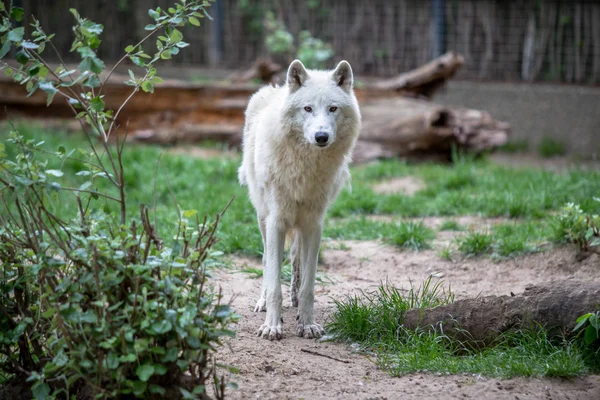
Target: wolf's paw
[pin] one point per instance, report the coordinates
(310, 331)
(270, 332)
(261, 305)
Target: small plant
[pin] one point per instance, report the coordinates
(412, 235)
(549, 147)
(97, 300)
(446, 253)
(511, 240)
(572, 225)
(591, 333)
(375, 317)
(313, 52)
(475, 243)
(515, 146)
(278, 40)
(451, 225)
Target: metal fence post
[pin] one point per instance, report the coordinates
(215, 55)
(438, 45)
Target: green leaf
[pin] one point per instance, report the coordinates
(86, 52)
(582, 320)
(144, 372)
(40, 390)
(85, 185)
(160, 369)
(54, 172)
(49, 312)
(594, 321)
(187, 395)
(97, 104)
(129, 49)
(21, 57)
(194, 21)
(128, 358)
(139, 388)
(161, 327)
(157, 389)
(148, 87)
(153, 14)
(33, 70)
(60, 359)
(43, 72)
(5, 48)
(175, 36)
(92, 81)
(189, 213)
(97, 65)
(591, 335)
(16, 35)
(49, 88)
(85, 65)
(89, 316)
(170, 355)
(29, 45)
(16, 13)
(112, 361)
(150, 27)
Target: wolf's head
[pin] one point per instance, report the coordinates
(321, 104)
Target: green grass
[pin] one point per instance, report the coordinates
(468, 187)
(451, 225)
(374, 321)
(412, 235)
(475, 243)
(549, 147)
(515, 146)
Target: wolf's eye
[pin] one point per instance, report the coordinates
(308, 109)
(332, 109)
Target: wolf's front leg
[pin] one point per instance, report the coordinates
(275, 237)
(311, 239)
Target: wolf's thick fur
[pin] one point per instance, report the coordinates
(298, 141)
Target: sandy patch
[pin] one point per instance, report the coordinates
(407, 185)
(205, 153)
(281, 370)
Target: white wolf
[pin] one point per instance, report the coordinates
(297, 144)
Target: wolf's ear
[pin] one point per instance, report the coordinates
(342, 76)
(296, 75)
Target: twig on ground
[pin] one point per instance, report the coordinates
(324, 355)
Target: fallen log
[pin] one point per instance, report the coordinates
(425, 80)
(479, 321)
(417, 129)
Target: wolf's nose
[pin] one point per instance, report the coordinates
(321, 138)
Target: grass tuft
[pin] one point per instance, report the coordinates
(549, 147)
(413, 235)
(475, 243)
(374, 321)
(451, 225)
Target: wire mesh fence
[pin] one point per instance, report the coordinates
(514, 40)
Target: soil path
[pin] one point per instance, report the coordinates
(283, 370)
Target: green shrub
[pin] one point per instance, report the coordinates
(573, 225)
(96, 301)
(549, 147)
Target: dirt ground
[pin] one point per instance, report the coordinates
(283, 370)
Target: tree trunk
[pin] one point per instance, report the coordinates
(555, 306)
(425, 80)
(417, 129)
